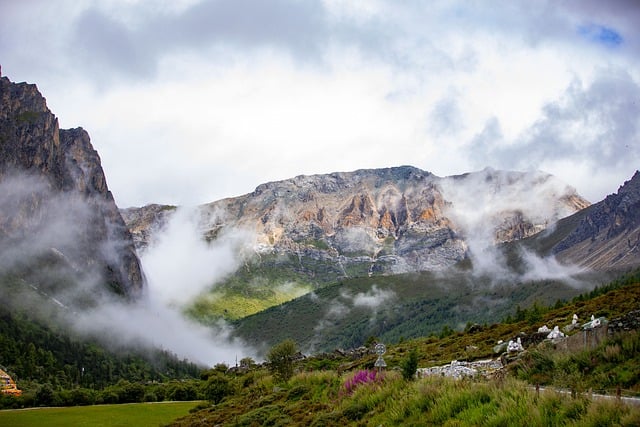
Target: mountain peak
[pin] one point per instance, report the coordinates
(59, 200)
(384, 221)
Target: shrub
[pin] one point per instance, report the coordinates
(107, 396)
(280, 359)
(217, 388)
(182, 392)
(410, 365)
(129, 392)
(44, 395)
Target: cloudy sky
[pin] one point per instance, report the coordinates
(190, 101)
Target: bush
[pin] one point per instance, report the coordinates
(82, 396)
(217, 388)
(280, 359)
(44, 395)
(182, 392)
(150, 396)
(129, 392)
(410, 365)
(108, 396)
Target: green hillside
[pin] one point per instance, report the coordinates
(399, 307)
(335, 390)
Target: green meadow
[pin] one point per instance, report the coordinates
(135, 414)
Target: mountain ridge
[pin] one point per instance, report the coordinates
(608, 233)
(422, 303)
(372, 221)
(55, 196)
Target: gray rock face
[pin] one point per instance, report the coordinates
(55, 195)
(608, 236)
(382, 221)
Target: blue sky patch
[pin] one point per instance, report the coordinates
(600, 34)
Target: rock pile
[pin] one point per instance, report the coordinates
(457, 369)
(628, 322)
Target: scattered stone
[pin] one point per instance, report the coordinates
(458, 370)
(627, 322)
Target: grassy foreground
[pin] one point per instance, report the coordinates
(137, 414)
(332, 399)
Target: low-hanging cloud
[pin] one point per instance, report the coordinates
(180, 264)
(150, 322)
(43, 231)
(479, 204)
(372, 300)
(548, 268)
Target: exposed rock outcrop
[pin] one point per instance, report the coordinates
(608, 235)
(381, 221)
(55, 196)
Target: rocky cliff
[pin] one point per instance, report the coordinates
(382, 221)
(608, 234)
(55, 200)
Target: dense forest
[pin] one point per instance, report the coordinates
(49, 362)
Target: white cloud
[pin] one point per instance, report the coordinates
(180, 264)
(187, 113)
(373, 298)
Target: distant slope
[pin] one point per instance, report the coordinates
(602, 240)
(312, 231)
(605, 236)
(398, 307)
(378, 221)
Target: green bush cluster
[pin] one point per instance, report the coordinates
(122, 392)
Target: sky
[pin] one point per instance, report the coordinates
(192, 101)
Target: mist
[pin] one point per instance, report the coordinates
(481, 201)
(371, 301)
(44, 236)
(180, 265)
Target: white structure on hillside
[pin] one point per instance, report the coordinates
(514, 346)
(555, 334)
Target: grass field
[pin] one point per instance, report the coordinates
(135, 414)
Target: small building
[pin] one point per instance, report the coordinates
(7, 385)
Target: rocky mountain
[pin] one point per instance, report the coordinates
(55, 207)
(382, 221)
(605, 236)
